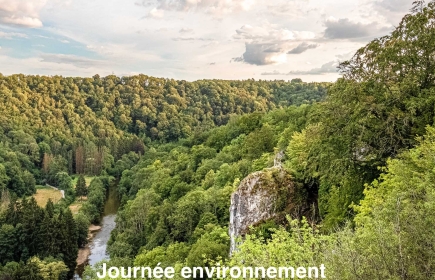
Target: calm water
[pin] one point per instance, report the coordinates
(98, 244)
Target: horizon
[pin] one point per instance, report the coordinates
(190, 39)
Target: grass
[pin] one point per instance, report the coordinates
(44, 194)
(77, 204)
(75, 207)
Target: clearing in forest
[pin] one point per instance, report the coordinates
(43, 194)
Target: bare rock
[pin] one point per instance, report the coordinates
(94, 228)
(83, 255)
(259, 197)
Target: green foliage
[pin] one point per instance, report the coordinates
(300, 245)
(8, 243)
(50, 269)
(212, 245)
(179, 193)
(394, 227)
(93, 206)
(28, 231)
(81, 189)
(166, 256)
(85, 125)
(82, 223)
(394, 224)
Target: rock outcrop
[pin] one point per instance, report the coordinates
(259, 197)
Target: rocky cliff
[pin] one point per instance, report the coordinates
(260, 196)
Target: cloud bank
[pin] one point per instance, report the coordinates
(21, 12)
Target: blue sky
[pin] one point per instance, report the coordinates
(190, 39)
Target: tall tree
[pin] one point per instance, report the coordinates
(81, 189)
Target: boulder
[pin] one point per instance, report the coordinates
(261, 196)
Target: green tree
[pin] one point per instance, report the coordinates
(68, 243)
(63, 181)
(49, 269)
(394, 222)
(81, 189)
(8, 242)
(3, 177)
(82, 223)
(300, 245)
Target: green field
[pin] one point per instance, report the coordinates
(43, 194)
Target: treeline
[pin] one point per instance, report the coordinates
(86, 125)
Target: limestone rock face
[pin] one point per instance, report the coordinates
(259, 197)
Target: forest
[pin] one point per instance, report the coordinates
(57, 130)
(359, 153)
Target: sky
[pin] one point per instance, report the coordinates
(190, 39)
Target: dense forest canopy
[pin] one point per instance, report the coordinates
(85, 125)
(54, 128)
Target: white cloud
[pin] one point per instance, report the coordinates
(156, 13)
(329, 67)
(263, 54)
(392, 10)
(269, 32)
(293, 9)
(21, 12)
(273, 73)
(37, 66)
(191, 39)
(217, 8)
(23, 21)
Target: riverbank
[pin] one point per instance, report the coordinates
(99, 235)
(84, 253)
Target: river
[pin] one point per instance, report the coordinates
(98, 244)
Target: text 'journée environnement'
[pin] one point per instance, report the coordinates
(215, 272)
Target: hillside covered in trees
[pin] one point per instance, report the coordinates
(55, 128)
(359, 152)
(86, 125)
